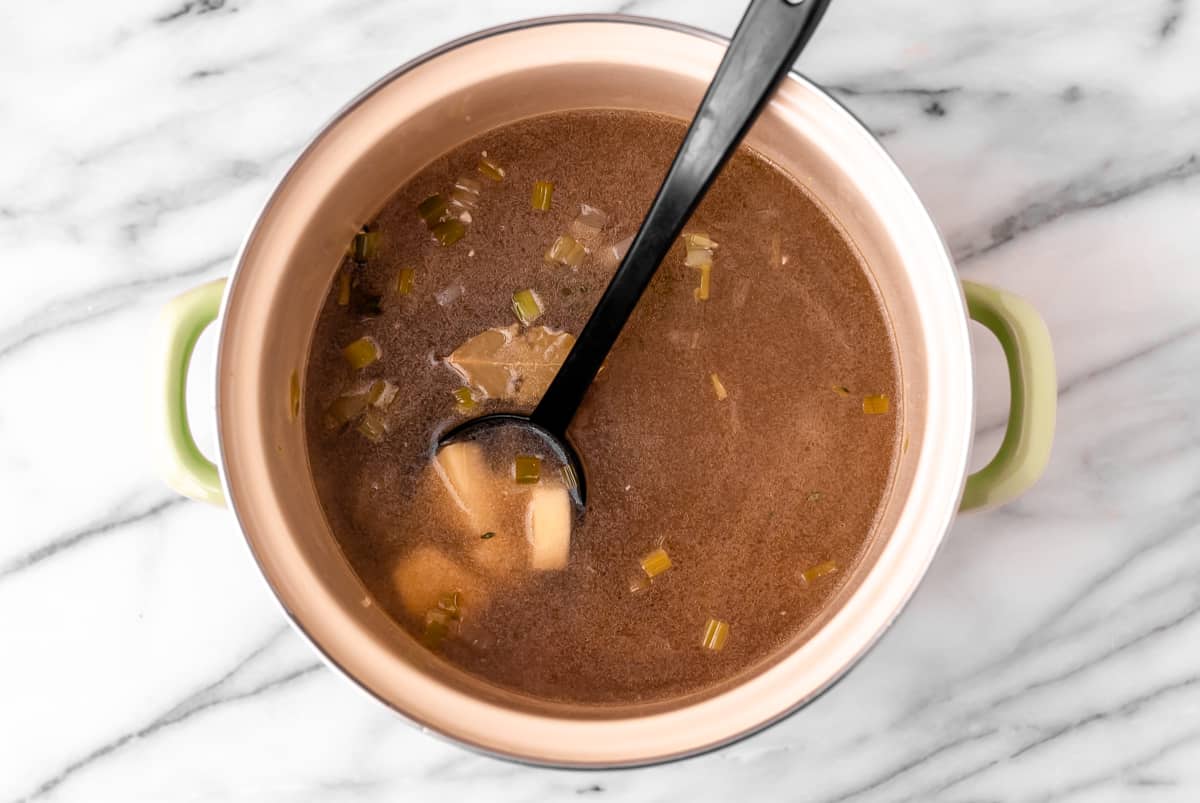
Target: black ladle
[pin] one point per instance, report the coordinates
(769, 38)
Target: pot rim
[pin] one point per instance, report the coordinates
(943, 523)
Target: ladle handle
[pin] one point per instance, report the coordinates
(769, 38)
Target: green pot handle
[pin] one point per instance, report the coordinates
(184, 468)
(1023, 454)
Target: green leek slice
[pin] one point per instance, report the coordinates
(432, 209)
(464, 400)
(490, 169)
(716, 631)
(543, 191)
(718, 387)
(566, 250)
(702, 292)
(405, 279)
(656, 562)
(820, 570)
(527, 469)
(294, 396)
(526, 306)
(366, 243)
(448, 232)
(875, 405)
(361, 352)
(372, 426)
(345, 409)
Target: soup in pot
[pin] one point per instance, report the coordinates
(739, 442)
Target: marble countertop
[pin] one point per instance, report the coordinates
(1053, 652)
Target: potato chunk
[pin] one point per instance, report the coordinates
(502, 556)
(465, 473)
(548, 527)
(425, 574)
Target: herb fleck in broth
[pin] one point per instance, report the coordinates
(729, 432)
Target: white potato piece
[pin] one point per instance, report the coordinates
(465, 473)
(548, 527)
(489, 503)
(424, 574)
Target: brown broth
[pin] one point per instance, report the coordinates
(744, 493)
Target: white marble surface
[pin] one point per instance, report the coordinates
(1052, 654)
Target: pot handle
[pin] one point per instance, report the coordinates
(184, 468)
(1023, 454)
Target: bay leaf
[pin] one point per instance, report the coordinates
(506, 363)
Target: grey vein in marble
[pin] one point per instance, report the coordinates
(208, 697)
(1078, 196)
(74, 310)
(103, 526)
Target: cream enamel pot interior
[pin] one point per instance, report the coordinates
(266, 311)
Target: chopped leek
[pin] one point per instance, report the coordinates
(294, 396)
(656, 562)
(488, 535)
(450, 602)
(372, 426)
(815, 496)
(716, 632)
(361, 352)
(702, 292)
(344, 289)
(638, 584)
(700, 255)
(490, 169)
(841, 390)
(527, 469)
(366, 243)
(345, 409)
(617, 251)
(405, 281)
(543, 191)
(448, 232)
(468, 185)
(718, 387)
(776, 251)
(820, 570)
(437, 628)
(448, 295)
(526, 306)
(464, 400)
(567, 472)
(432, 209)
(699, 239)
(697, 257)
(875, 405)
(382, 394)
(466, 193)
(590, 222)
(566, 250)
(591, 216)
